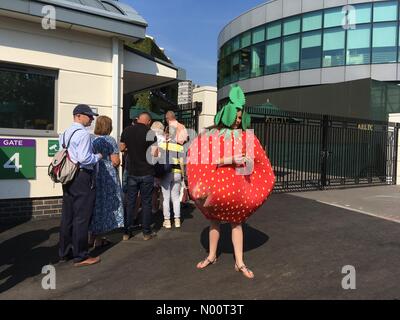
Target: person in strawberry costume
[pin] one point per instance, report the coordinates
(229, 176)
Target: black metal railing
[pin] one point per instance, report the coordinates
(310, 151)
(188, 114)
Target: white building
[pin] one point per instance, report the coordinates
(47, 69)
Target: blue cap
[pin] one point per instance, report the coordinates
(84, 109)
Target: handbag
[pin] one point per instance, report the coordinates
(161, 169)
(184, 193)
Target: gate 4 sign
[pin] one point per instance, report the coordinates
(17, 159)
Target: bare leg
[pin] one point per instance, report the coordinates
(237, 240)
(214, 238)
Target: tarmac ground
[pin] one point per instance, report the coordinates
(297, 245)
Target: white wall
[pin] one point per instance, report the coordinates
(395, 117)
(208, 96)
(84, 68)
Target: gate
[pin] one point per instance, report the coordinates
(188, 114)
(311, 152)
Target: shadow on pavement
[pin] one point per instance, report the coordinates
(22, 257)
(252, 238)
(5, 225)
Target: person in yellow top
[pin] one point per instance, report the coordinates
(171, 180)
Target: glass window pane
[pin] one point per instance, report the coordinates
(273, 57)
(26, 100)
(291, 53)
(226, 71)
(245, 39)
(362, 14)
(358, 45)
(236, 44)
(291, 26)
(384, 47)
(257, 60)
(245, 55)
(312, 21)
(385, 11)
(258, 35)
(235, 67)
(227, 49)
(333, 49)
(334, 17)
(274, 30)
(311, 50)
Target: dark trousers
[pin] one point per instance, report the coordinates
(145, 185)
(77, 210)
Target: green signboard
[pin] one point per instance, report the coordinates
(17, 158)
(52, 147)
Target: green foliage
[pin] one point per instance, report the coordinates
(229, 115)
(218, 116)
(237, 98)
(143, 100)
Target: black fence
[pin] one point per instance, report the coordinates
(188, 114)
(311, 152)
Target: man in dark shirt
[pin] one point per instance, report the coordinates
(135, 140)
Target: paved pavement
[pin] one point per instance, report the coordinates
(381, 201)
(296, 247)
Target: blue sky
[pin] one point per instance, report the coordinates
(188, 31)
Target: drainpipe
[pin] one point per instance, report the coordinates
(116, 89)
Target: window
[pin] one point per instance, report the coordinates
(362, 14)
(226, 71)
(291, 26)
(257, 60)
(274, 30)
(311, 50)
(334, 17)
(244, 70)
(236, 44)
(227, 49)
(235, 67)
(312, 21)
(26, 98)
(272, 57)
(258, 35)
(334, 46)
(384, 47)
(358, 45)
(385, 11)
(245, 39)
(291, 53)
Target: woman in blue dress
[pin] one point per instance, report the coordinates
(108, 212)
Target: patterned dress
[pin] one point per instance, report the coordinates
(108, 212)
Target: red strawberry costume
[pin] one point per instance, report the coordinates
(229, 192)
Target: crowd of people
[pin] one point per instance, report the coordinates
(154, 164)
(96, 202)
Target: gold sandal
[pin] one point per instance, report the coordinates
(208, 261)
(246, 271)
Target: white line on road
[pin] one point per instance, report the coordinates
(360, 211)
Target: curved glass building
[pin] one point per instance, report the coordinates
(338, 57)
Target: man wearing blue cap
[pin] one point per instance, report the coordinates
(79, 194)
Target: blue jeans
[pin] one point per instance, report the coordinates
(145, 185)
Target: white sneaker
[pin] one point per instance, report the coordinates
(167, 223)
(177, 222)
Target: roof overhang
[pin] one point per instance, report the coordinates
(78, 17)
(144, 72)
